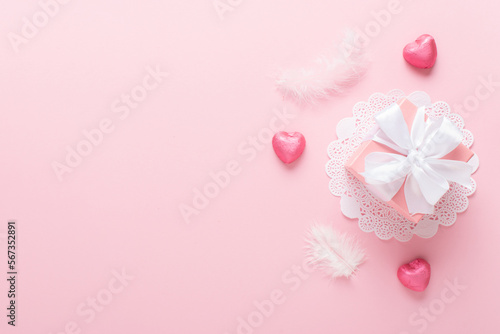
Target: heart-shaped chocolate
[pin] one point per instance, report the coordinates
(288, 145)
(415, 275)
(422, 53)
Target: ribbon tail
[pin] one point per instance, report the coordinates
(433, 185)
(414, 197)
(452, 170)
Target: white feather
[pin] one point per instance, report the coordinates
(337, 254)
(330, 74)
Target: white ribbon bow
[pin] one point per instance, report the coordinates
(419, 163)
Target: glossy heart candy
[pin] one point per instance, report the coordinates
(422, 53)
(415, 275)
(288, 145)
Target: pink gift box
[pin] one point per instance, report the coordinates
(356, 164)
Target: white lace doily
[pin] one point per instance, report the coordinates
(358, 203)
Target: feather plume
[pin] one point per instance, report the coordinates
(329, 75)
(337, 254)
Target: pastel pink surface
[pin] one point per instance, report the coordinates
(415, 275)
(120, 207)
(422, 53)
(288, 146)
(356, 164)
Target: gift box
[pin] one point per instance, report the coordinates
(416, 161)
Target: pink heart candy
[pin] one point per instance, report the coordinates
(422, 53)
(288, 145)
(415, 275)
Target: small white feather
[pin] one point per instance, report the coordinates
(337, 254)
(329, 75)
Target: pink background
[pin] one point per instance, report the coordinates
(120, 207)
